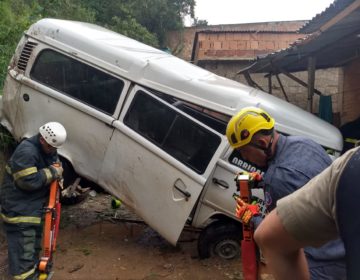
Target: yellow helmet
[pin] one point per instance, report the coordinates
(242, 126)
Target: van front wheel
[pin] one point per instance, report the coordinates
(220, 239)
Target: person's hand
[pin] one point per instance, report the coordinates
(245, 211)
(56, 171)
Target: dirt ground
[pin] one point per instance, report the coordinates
(96, 243)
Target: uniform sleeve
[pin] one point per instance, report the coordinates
(26, 175)
(286, 180)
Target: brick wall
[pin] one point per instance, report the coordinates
(351, 92)
(181, 42)
(241, 45)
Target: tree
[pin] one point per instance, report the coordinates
(66, 9)
(159, 16)
(15, 17)
(144, 20)
(200, 22)
(155, 16)
(118, 16)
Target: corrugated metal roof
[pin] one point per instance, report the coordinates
(320, 19)
(333, 47)
(275, 26)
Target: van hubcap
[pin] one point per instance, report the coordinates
(227, 249)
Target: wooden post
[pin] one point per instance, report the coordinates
(311, 82)
(270, 84)
(282, 88)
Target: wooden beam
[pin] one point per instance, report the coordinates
(296, 79)
(311, 82)
(250, 81)
(282, 87)
(269, 84)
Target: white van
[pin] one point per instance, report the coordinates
(144, 125)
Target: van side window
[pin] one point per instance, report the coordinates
(176, 134)
(78, 80)
(216, 120)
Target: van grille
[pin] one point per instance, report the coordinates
(25, 55)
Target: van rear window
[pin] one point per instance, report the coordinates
(78, 80)
(173, 132)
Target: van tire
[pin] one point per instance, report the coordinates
(69, 176)
(221, 238)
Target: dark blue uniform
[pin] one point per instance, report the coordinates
(297, 160)
(347, 207)
(23, 195)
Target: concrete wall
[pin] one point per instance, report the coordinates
(328, 81)
(181, 42)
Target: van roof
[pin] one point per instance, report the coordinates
(166, 73)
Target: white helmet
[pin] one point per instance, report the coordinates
(53, 133)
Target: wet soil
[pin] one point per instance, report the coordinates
(98, 242)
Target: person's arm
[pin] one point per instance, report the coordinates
(283, 253)
(26, 175)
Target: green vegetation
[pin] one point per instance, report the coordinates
(144, 20)
(7, 142)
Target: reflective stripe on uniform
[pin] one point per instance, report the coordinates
(8, 169)
(24, 275)
(24, 172)
(351, 140)
(354, 141)
(20, 219)
(48, 174)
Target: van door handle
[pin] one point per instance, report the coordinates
(185, 193)
(221, 183)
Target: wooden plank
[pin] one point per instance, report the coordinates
(296, 79)
(282, 87)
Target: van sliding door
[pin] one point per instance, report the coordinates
(158, 161)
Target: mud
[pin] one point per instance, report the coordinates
(98, 242)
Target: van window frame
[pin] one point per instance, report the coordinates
(196, 123)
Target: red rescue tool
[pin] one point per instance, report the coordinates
(51, 229)
(244, 183)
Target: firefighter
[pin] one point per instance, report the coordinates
(290, 162)
(25, 192)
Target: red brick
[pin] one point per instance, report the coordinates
(242, 45)
(210, 53)
(245, 53)
(233, 45)
(229, 36)
(254, 45)
(221, 36)
(270, 45)
(217, 45)
(225, 45)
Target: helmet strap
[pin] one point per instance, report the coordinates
(268, 149)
